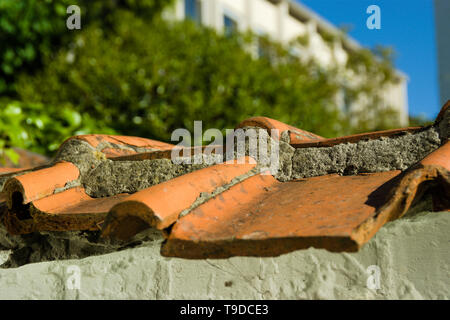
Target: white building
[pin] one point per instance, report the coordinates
(283, 21)
(442, 16)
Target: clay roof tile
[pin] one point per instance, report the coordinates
(160, 206)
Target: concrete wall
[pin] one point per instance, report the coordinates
(411, 253)
(442, 16)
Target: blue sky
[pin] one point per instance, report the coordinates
(407, 26)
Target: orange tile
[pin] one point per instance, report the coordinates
(159, 206)
(355, 138)
(132, 142)
(41, 183)
(10, 170)
(142, 142)
(264, 217)
(409, 188)
(95, 139)
(80, 212)
(439, 157)
(69, 210)
(296, 135)
(27, 159)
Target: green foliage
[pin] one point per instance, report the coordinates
(376, 65)
(130, 72)
(303, 39)
(40, 128)
(33, 29)
(31, 32)
(329, 37)
(148, 78)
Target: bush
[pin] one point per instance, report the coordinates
(40, 128)
(147, 78)
(32, 30)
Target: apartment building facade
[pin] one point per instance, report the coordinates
(283, 21)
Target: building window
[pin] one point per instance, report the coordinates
(229, 24)
(193, 10)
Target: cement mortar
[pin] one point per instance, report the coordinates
(383, 154)
(285, 152)
(113, 177)
(205, 196)
(412, 256)
(102, 177)
(81, 154)
(49, 246)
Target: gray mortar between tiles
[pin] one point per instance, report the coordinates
(51, 245)
(102, 177)
(383, 154)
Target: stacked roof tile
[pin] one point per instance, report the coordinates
(227, 209)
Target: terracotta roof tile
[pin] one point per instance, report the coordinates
(41, 183)
(26, 159)
(440, 157)
(226, 209)
(262, 210)
(9, 170)
(69, 210)
(159, 206)
(95, 139)
(114, 146)
(296, 135)
(355, 138)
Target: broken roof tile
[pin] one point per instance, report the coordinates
(439, 157)
(296, 135)
(253, 218)
(20, 190)
(9, 170)
(159, 206)
(68, 210)
(96, 139)
(229, 209)
(356, 137)
(41, 183)
(25, 159)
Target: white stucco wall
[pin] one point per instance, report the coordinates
(292, 28)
